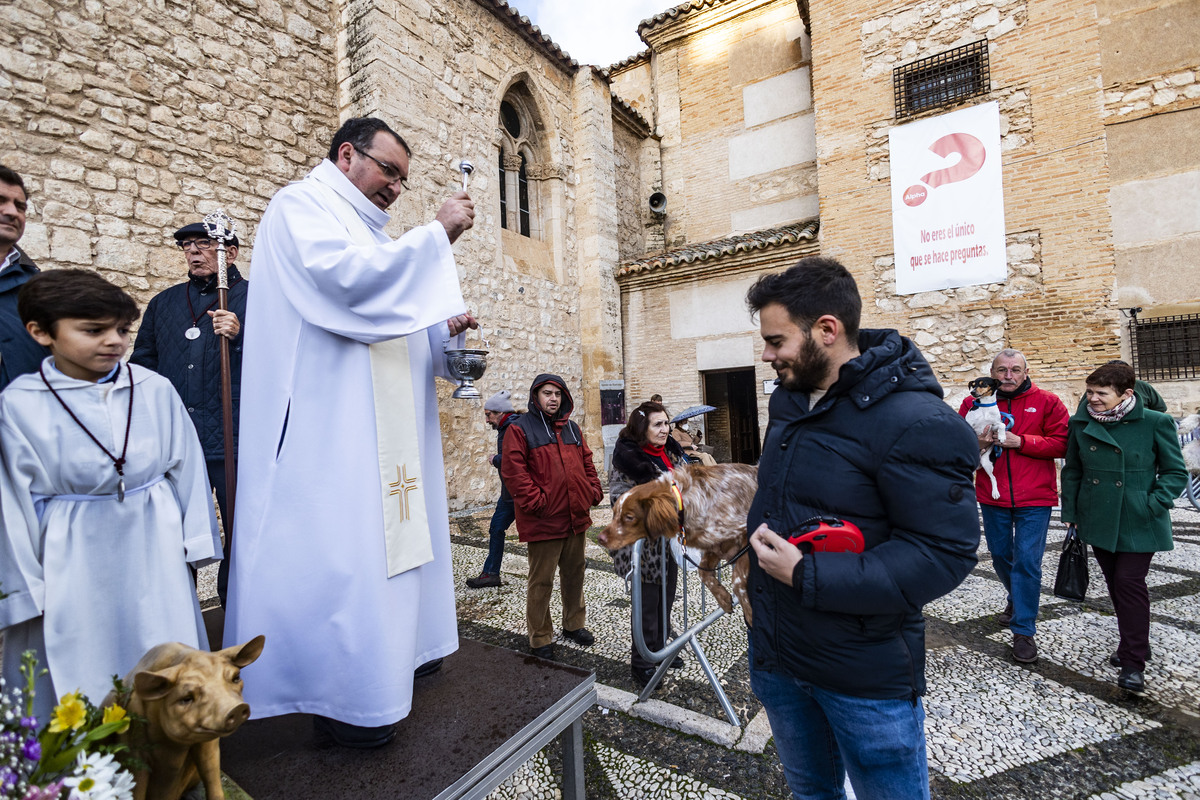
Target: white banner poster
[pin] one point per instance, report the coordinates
(948, 201)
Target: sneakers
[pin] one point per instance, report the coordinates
(546, 651)
(1005, 616)
(1024, 650)
(1132, 681)
(581, 637)
(485, 579)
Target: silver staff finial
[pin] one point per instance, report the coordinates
(220, 226)
(466, 168)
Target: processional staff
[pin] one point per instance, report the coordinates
(220, 227)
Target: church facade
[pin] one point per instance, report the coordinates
(623, 211)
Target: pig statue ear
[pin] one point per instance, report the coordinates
(248, 653)
(153, 685)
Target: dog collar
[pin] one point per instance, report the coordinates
(978, 404)
(679, 508)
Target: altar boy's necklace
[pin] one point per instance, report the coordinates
(119, 463)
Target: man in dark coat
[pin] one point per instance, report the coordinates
(178, 340)
(858, 431)
(499, 413)
(19, 353)
(548, 467)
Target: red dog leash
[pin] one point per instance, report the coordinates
(819, 534)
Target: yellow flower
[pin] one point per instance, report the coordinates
(115, 713)
(69, 714)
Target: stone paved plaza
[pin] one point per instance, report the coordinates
(1057, 729)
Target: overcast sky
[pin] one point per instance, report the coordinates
(600, 33)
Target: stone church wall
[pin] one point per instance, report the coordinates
(129, 119)
(632, 195)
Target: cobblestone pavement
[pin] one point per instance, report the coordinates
(1059, 728)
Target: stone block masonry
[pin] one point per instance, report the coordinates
(128, 120)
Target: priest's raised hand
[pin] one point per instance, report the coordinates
(457, 215)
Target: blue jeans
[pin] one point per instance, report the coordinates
(821, 736)
(1017, 539)
(502, 517)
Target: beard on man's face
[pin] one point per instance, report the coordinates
(808, 371)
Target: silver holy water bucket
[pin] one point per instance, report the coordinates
(467, 366)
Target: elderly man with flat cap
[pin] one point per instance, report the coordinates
(178, 339)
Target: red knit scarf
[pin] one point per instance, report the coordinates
(660, 453)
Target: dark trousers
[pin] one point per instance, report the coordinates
(504, 515)
(656, 616)
(1125, 574)
(216, 477)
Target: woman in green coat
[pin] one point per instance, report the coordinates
(1123, 472)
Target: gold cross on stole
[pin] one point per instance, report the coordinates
(402, 487)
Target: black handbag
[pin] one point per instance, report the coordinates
(1071, 582)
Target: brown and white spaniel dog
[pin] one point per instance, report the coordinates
(716, 500)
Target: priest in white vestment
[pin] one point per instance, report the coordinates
(341, 553)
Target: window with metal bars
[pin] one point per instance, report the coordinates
(941, 80)
(1166, 348)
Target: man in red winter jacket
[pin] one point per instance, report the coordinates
(547, 466)
(1015, 525)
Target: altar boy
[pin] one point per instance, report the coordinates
(103, 496)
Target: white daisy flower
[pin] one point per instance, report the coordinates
(99, 777)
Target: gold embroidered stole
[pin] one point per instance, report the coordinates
(405, 525)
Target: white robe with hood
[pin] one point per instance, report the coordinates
(93, 582)
(309, 565)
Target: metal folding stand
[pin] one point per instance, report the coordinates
(688, 638)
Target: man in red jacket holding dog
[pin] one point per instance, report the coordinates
(1015, 525)
(547, 466)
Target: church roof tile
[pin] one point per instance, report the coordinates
(717, 248)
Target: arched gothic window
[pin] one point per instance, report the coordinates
(520, 197)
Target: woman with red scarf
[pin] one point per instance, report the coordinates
(644, 451)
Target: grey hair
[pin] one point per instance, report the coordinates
(1009, 352)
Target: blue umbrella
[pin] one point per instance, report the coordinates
(692, 411)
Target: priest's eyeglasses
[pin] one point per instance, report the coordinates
(201, 244)
(389, 171)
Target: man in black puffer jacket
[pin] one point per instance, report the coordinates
(858, 430)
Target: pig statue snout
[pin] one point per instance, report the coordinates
(236, 717)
